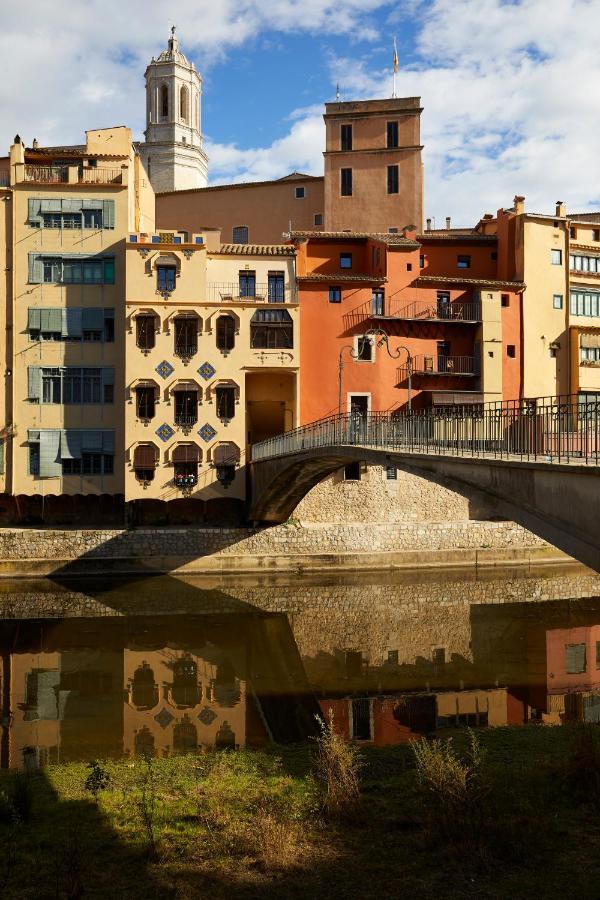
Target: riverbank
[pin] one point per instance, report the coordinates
(250, 824)
(293, 546)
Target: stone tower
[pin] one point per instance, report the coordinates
(172, 152)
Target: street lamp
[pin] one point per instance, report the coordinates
(382, 338)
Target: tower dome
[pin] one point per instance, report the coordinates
(172, 152)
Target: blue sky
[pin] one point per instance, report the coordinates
(509, 87)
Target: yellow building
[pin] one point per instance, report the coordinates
(211, 347)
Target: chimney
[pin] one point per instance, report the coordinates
(448, 223)
(428, 225)
(519, 205)
(35, 144)
(561, 209)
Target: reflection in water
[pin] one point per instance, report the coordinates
(168, 665)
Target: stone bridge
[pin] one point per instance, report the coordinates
(523, 469)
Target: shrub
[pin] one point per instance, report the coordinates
(98, 779)
(453, 790)
(337, 769)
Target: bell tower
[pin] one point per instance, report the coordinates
(172, 152)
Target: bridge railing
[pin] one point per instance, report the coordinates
(555, 429)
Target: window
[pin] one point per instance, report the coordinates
(505, 300)
(225, 399)
(346, 182)
(572, 232)
(34, 459)
(185, 462)
(494, 255)
(145, 458)
(361, 719)
(391, 473)
(276, 287)
(165, 279)
(409, 267)
(575, 661)
(579, 263)
(71, 213)
(69, 270)
(145, 398)
(247, 282)
(511, 351)
(318, 219)
(186, 406)
(300, 193)
(598, 654)
(352, 472)
(557, 301)
(239, 234)
(596, 234)
(364, 349)
(88, 218)
(271, 329)
(392, 180)
(378, 302)
(89, 464)
(585, 303)
(392, 231)
(345, 260)
(463, 261)
(346, 137)
(393, 657)
(422, 261)
(164, 101)
(392, 135)
(335, 295)
(556, 257)
(145, 328)
(186, 336)
(225, 333)
(184, 103)
(73, 385)
(589, 355)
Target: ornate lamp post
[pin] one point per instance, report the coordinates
(382, 338)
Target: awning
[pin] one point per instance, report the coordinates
(226, 454)
(590, 340)
(455, 398)
(145, 456)
(271, 316)
(186, 453)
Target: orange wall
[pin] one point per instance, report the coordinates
(440, 258)
(558, 680)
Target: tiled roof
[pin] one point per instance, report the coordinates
(256, 250)
(457, 234)
(577, 245)
(584, 217)
(334, 277)
(480, 282)
(293, 176)
(392, 240)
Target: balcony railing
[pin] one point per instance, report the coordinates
(440, 365)
(421, 311)
(186, 351)
(186, 421)
(232, 292)
(60, 175)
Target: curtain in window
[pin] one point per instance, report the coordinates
(50, 463)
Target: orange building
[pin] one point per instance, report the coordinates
(453, 322)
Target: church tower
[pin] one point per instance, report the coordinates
(172, 152)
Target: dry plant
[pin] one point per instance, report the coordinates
(277, 840)
(454, 790)
(337, 769)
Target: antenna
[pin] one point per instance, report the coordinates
(337, 92)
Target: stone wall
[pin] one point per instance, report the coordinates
(377, 498)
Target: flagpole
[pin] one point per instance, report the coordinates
(394, 69)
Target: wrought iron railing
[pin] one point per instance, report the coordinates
(422, 311)
(47, 174)
(229, 292)
(550, 429)
(186, 421)
(100, 175)
(440, 365)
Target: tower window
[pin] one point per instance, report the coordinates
(392, 135)
(184, 106)
(346, 137)
(346, 182)
(164, 101)
(300, 193)
(239, 234)
(392, 180)
(345, 260)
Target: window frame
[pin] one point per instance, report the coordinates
(346, 182)
(393, 179)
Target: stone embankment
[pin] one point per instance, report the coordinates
(292, 546)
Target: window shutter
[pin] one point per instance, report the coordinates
(108, 376)
(36, 269)
(108, 214)
(70, 445)
(71, 322)
(51, 319)
(51, 206)
(93, 319)
(144, 456)
(226, 454)
(72, 205)
(108, 441)
(91, 440)
(93, 204)
(186, 453)
(34, 217)
(50, 464)
(575, 658)
(34, 380)
(33, 319)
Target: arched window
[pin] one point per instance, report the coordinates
(144, 742)
(164, 101)
(186, 690)
(144, 690)
(225, 333)
(184, 104)
(185, 736)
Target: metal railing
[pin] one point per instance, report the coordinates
(100, 175)
(185, 351)
(440, 365)
(421, 311)
(230, 292)
(47, 174)
(185, 421)
(548, 429)
(60, 175)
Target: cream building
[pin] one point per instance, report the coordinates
(211, 348)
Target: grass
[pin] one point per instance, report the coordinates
(254, 824)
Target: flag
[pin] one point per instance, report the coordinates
(395, 58)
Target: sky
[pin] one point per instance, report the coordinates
(510, 88)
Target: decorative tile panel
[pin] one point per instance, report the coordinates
(164, 718)
(207, 716)
(165, 432)
(207, 371)
(207, 432)
(165, 368)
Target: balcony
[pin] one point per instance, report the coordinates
(442, 366)
(62, 175)
(185, 351)
(231, 292)
(422, 311)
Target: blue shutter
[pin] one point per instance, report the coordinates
(108, 441)
(51, 206)
(72, 205)
(34, 383)
(50, 464)
(108, 214)
(93, 319)
(91, 440)
(51, 319)
(36, 269)
(71, 325)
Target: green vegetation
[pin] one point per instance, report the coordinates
(511, 813)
